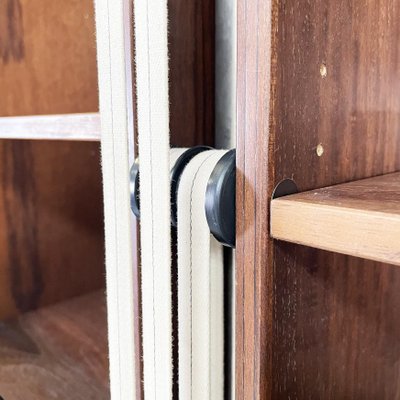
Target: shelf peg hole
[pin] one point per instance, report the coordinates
(323, 70)
(320, 150)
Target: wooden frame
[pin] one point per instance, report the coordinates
(50, 191)
(311, 108)
(51, 211)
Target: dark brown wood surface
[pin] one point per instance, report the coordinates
(51, 233)
(58, 352)
(50, 210)
(317, 103)
(191, 50)
(47, 57)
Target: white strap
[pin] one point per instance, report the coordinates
(200, 287)
(111, 53)
(174, 154)
(153, 126)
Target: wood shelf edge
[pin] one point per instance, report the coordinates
(78, 127)
(336, 220)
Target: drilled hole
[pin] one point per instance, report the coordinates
(320, 150)
(284, 188)
(323, 70)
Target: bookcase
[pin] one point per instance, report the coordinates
(53, 332)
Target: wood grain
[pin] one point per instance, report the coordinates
(191, 38)
(50, 210)
(254, 280)
(51, 233)
(12, 45)
(59, 352)
(314, 324)
(55, 73)
(84, 126)
(360, 218)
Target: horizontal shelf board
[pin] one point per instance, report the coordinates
(360, 218)
(83, 127)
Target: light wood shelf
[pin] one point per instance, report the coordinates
(360, 218)
(82, 127)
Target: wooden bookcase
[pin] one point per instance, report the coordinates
(316, 312)
(51, 209)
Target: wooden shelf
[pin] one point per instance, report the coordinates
(58, 352)
(84, 127)
(360, 218)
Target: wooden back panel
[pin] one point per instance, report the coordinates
(47, 57)
(191, 47)
(313, 324)
(51, 233)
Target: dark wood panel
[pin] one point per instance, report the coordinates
(317, 102)
(337, 331)
(47, 57)
(51, 233)
(51, 239)
(353, 112)
(254, 280)
(191, 47)
(59, 352)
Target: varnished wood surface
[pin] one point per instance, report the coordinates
(84, 127)
(360, 218)
(51, 220)
(51, 244)
(59, 352)
(379, 194)
(191, 50)
(47, 57)
(254, 280)
(317, 102)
